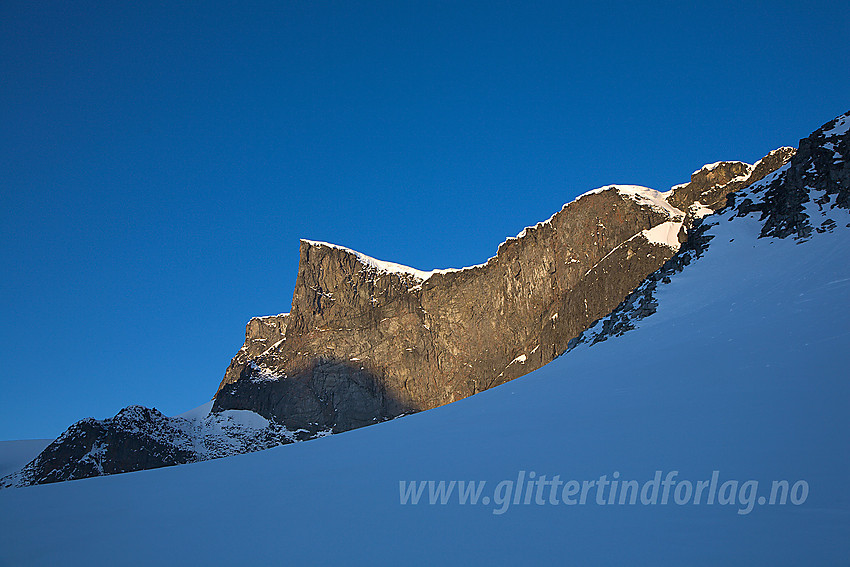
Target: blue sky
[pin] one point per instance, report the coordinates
(158, 164)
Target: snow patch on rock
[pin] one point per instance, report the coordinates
(666, 234)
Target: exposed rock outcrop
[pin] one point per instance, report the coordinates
(136, 438)
(816, 181)
(140, 438)
(710, 185)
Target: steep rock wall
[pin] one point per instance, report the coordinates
(366, 341)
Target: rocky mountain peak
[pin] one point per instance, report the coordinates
(710, 184)
(367, 340)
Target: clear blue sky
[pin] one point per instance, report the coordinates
(158, 164)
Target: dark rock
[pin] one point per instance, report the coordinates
(137, 438)
(820, 168)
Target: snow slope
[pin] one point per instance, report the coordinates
(741, 370)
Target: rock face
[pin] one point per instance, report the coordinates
(367, 341)
(710, 185)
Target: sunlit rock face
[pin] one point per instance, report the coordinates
(366, 340)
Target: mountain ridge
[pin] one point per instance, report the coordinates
(461, 330)
(778, 191)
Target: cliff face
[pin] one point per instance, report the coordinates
(366, 341)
